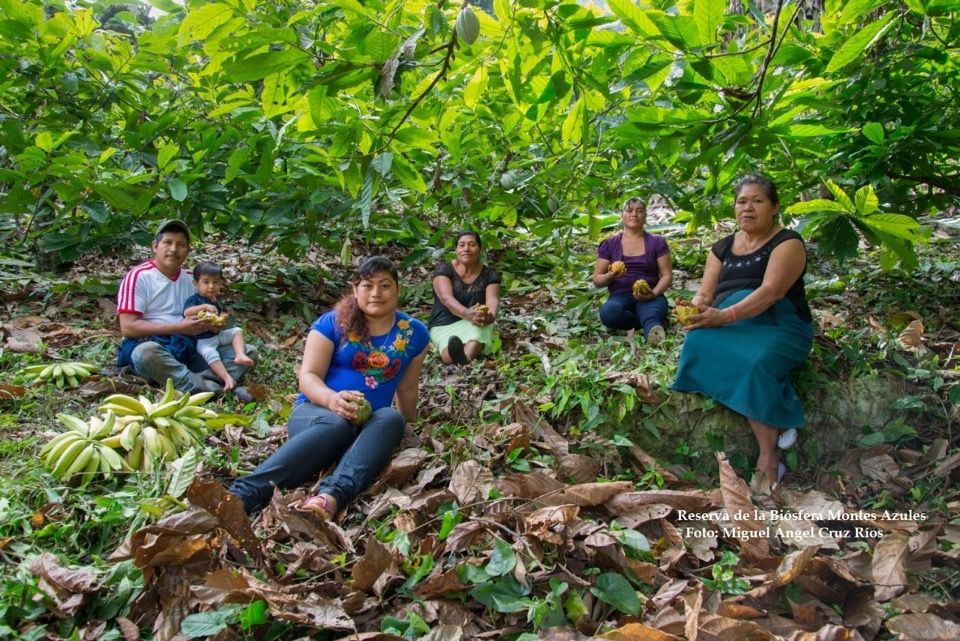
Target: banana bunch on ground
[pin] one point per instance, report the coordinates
(84, 450)
(131, 434)
(152, 431)
(62, 374)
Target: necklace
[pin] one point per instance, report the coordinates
(383, 346)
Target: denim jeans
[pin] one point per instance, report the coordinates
(152, 361)
(318, 438)
(623, 311)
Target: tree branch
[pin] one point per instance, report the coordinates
(952, 188)
(447, 59)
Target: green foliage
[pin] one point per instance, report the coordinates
(299, 123)
(836, 223)
(615, 590)
(725, 579)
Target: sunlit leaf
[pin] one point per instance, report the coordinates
(853, 47)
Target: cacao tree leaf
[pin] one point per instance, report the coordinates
(572, 129)
(178, 189)
(840, 195)
(408, 174)
(165, 155)
(838, 237)
(803, 130)
(382, 163)
(855, 10)
(680, 31)
(236, 161)
(896, 225)
(873, 132)
(865, 200)
(709, 15)
(201, 22)
(853, 47)
(475, 87)
(814, 206)
(633, 17)
(261, 65)
(366, 197)
(124, 197)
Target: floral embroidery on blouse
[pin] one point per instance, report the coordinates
(379, 364)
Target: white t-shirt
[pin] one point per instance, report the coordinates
(146, 292)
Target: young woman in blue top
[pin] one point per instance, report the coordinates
(364, 348)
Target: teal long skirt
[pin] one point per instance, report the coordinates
(746, 365)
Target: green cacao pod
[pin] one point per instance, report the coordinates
(508, 180)
(467, 25)
(363, 414)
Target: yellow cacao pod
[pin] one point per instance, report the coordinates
(684, 311)
(641, 288)
(617, 267)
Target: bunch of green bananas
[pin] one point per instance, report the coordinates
(62, 374)
(84, 449)
(152, 431)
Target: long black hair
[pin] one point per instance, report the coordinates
(349, 317)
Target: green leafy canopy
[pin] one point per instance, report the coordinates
(301, 123)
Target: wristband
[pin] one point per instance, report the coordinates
(733, 315)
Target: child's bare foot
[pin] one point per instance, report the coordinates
(243, 359)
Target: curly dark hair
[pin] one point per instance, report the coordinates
(349, 317)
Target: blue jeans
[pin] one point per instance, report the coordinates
(623, 311)
(318, 438)
(155, 362)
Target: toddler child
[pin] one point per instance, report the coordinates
(208, 279)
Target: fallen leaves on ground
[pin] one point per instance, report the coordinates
(489, 546)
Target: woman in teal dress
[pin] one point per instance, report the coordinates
(754, 325)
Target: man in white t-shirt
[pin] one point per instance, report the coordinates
(156, 336)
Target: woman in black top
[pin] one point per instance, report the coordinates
(752, 325)
(466, 298)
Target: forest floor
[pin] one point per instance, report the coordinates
(521, 505)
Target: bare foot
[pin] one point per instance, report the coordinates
(323, 505)
(243, 359)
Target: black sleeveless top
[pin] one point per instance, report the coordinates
(747, 271)
(467, 295)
